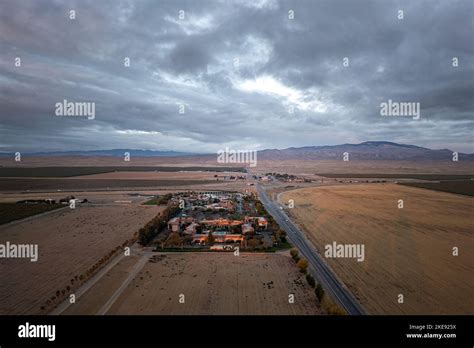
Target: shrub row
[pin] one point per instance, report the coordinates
(78, 279)
(329, 306)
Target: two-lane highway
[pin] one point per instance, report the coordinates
(318, 266)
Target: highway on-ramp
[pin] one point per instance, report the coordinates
(334, 286)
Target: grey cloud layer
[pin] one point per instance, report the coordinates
(282, 63)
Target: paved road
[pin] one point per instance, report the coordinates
(318, 266)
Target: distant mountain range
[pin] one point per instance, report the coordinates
(369, 150)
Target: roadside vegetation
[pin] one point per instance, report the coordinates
(159, 200)
(324, 301)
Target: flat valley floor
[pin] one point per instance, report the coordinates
(408, 251)
(201, 284)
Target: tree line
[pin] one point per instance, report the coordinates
(155, 225)
(329, 306)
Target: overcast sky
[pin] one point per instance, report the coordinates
(238, 67)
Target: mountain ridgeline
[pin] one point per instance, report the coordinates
(370, 150)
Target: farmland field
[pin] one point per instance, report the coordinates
(400, 176)
(408, 251)
(12, 211)
(366, 168)
(212, 283)
(85, 180)
(158, 175)
(463, 187)
(58, 172)
(63, 184)
(69, 241)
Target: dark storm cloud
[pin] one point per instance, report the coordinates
(191, 62)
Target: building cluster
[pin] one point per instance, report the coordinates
(230, 177)
(208, 201)
(283, 177)
(224, 229)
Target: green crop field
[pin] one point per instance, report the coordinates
(64, 184)
(401, 176)
(13, 211)
(462, 187)
(62, 172)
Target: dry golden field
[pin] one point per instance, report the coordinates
(407, 251)
(218, 284)
(311, 167)
(70, 241)
(102, 291)
(298, 167)
(212, 283)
